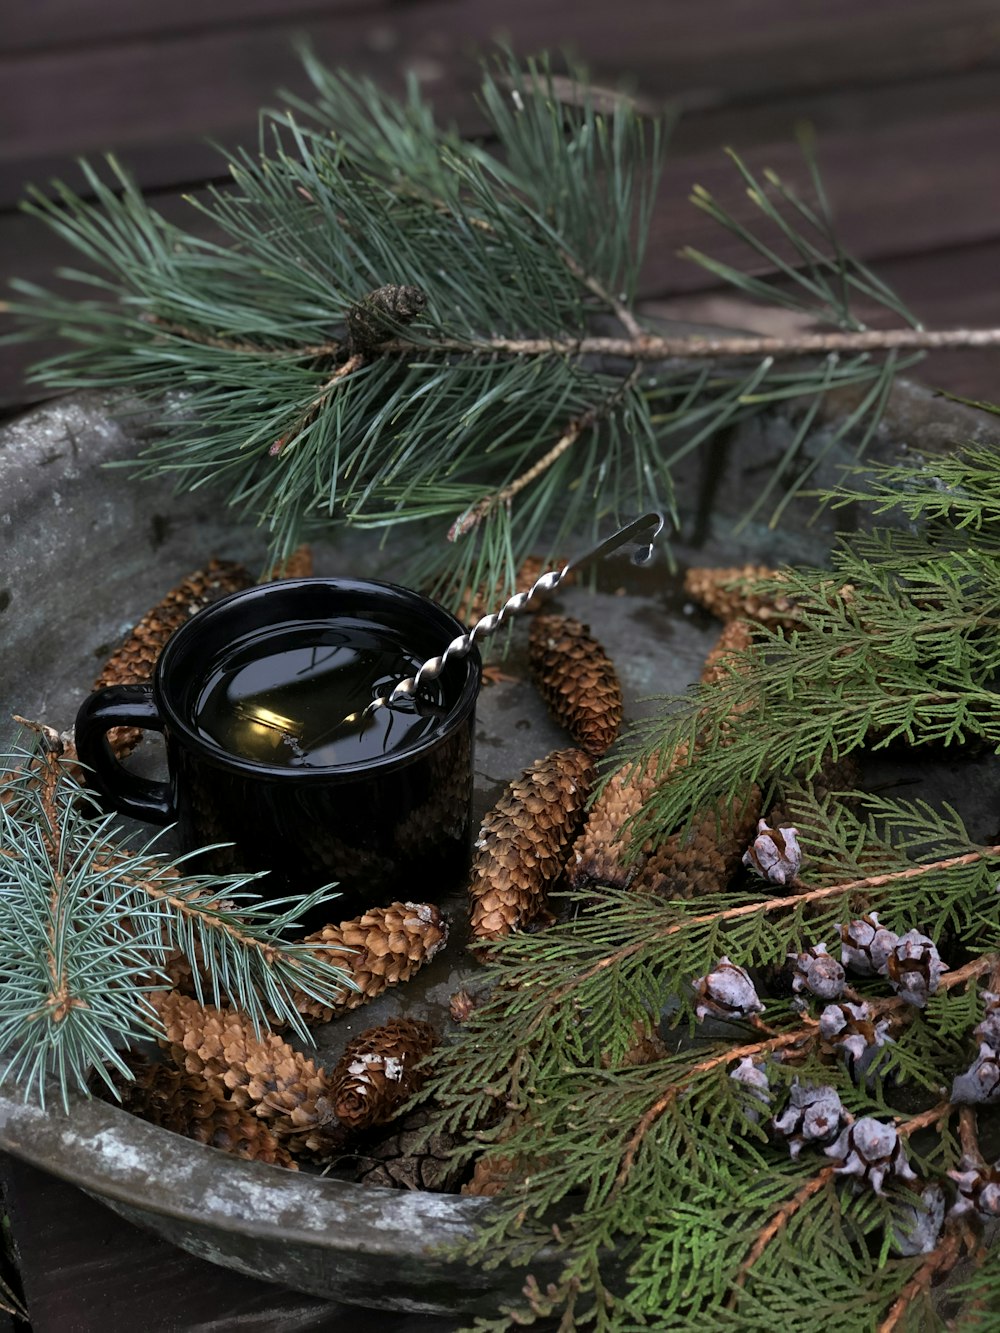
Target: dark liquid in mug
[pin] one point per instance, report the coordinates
(285, 696)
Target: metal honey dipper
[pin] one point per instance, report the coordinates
(642, 531)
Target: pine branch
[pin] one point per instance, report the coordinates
(88, 928)
(522, 264)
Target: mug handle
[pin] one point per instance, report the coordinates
(117, 788)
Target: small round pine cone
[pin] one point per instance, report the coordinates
(380, 314)
(378, 1071)
(523, 842)
(727, 593)
(380, 948)
(198, 1108)
(408, 1159)
(577, 680)
(134, 661)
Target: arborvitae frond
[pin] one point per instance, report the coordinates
(87, 928)
(896, 643)
(497, 409)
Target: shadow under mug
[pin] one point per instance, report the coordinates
(397, 825)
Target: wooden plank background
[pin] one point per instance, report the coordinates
(904, 96)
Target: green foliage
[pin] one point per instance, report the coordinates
(526, 250)
(897, 643)
(87, 929)
(672, 1205)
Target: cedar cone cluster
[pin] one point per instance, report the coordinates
(524, 840)
(135, 659)
(382, 947)
(378, 1071)
(577, 680)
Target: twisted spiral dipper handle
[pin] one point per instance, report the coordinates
(643, 531)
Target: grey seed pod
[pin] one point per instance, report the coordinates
(917, 1227)
(753, 1077)
(871, 1150)
(814, 1115)
(853, 1033)
(726, 992)
(775, 853)
(914, 968)
(816, 971)
(988, 1029)
(981, 1081)
(978, 1189)
(866, 945)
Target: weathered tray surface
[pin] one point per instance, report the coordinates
(85, 551)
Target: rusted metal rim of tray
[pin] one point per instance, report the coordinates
(335, 1236)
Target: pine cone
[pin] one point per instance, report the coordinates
(410, 1160)
(262, 1074)
(577, 680)
(299, 565)
(704, 859)
(645, 1048)
(724, 593)
(199, 1109)
(135, 659)
(379, 1071)
(493, 1173)
(380, 314)
(523, 842)
(474, 603)
(382, 947)
(599, 854)
(736, 637)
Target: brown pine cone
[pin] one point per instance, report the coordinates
(379, 315)
(493, 1173)
(599, 855)
(725, 593)
(645, 1048)
(262, 1074)
(704, 859)
(379, 949)
(135, 659)
(410, 1160)
(199, 1109)
(523, 842)
(577, 680)
(298, 565)
(379, 1071)
(736, 637)
(474, 603)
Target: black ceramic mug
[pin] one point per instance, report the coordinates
(385, 821)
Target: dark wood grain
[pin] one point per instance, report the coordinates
(146, 97)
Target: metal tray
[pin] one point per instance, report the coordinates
(84, 551)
